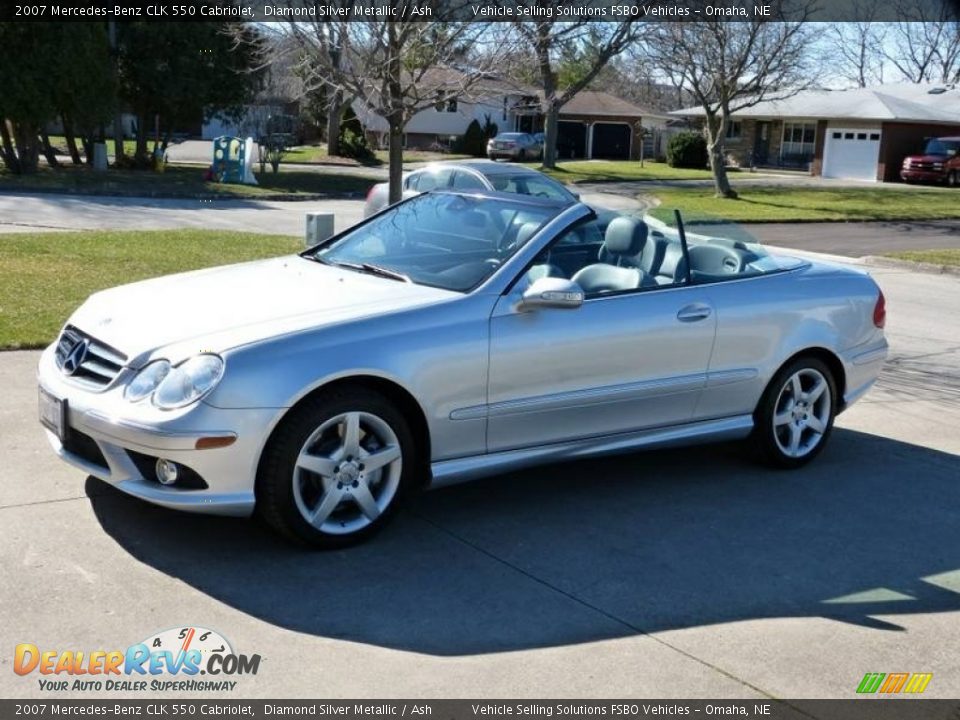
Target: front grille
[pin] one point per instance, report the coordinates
(100, 364)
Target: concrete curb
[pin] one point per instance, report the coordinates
(897, 263)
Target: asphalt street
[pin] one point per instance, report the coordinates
(39, 212)
(684, 573)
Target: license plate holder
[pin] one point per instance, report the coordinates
(53, 414)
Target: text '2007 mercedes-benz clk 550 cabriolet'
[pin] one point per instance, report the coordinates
(448, 337)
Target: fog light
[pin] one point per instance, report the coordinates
(167, 472)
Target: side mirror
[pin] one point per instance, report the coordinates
(552, 292)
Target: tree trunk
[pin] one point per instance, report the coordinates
(716, 129)
(48, 152)
(396, 159)
(87, 141)
(10, 158)
(26, 142)
(550, 130)
(141, 154)
(71, 138)
(334, 112)
(721, 183)
(117, 118)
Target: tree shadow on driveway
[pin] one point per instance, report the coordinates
(595, 549)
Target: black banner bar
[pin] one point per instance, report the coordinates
(873, 708)
(468, 10)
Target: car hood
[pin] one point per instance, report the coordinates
(927, 158)
(216, 309)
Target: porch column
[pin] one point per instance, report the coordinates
(589, 141)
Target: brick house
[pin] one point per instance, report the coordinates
(860, 134)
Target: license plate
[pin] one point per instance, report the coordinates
(53, 413)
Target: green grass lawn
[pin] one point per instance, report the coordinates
(59, 142)
(181, 181)
(787, 204)
(935, 257)
(618, 170)
(45, 276)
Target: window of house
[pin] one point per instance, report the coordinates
(798, 140)
(734, 130)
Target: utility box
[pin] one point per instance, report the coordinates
(99, 156)
(319, 227)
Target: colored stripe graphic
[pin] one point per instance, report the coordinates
(894, 682)
(870, 682)
(918, 682)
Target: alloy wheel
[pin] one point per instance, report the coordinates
(347, 473)
(802, 413)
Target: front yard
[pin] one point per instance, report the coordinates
(791, 204)
(947, 257)
(182, 181)
(577, 171)
(45, 276)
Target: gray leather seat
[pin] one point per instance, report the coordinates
(666, 265)
(622, 243)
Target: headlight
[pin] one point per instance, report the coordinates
(188, 382)
(146, 381)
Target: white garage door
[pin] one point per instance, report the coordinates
(851, 153)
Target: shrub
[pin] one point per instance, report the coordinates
(687, 150)
(353, 141)
(473, 142)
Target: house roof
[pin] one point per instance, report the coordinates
(896, 101)
(595, 102)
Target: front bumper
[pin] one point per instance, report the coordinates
(928, 176)
(124, 433)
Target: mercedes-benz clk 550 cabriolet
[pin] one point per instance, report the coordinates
(449, 337)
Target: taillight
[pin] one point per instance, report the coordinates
(880, 311)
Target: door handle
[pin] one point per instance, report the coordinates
(694, 313)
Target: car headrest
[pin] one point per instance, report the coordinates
(525, 232)
(625, 236)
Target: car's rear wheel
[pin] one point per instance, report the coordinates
(335, 470)
(953, 180)
(795, 416)
(522, 155)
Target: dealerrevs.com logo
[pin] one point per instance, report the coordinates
(172, 660)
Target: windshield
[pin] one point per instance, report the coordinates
(530, 184)
(510, 136)
(440, 239)
(937, 146)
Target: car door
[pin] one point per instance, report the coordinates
(618, 363)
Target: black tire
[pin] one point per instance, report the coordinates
(277, 502)
(952, 179)
(768, 440)
(521, 156)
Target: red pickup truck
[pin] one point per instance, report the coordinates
(939, 163)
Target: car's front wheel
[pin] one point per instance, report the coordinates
(953, 180)
(795, 416)
(336, 468)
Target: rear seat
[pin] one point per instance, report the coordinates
(662, 261)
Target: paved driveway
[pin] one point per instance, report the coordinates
(688, 573)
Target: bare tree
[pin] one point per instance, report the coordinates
(856, 48)
(729, 66)
(926, 42)
(394, 68)
(594, 42)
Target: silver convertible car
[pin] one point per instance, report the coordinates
(448, 337)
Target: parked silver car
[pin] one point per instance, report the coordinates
(514, 146)
(451, 336)
(470, 175)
